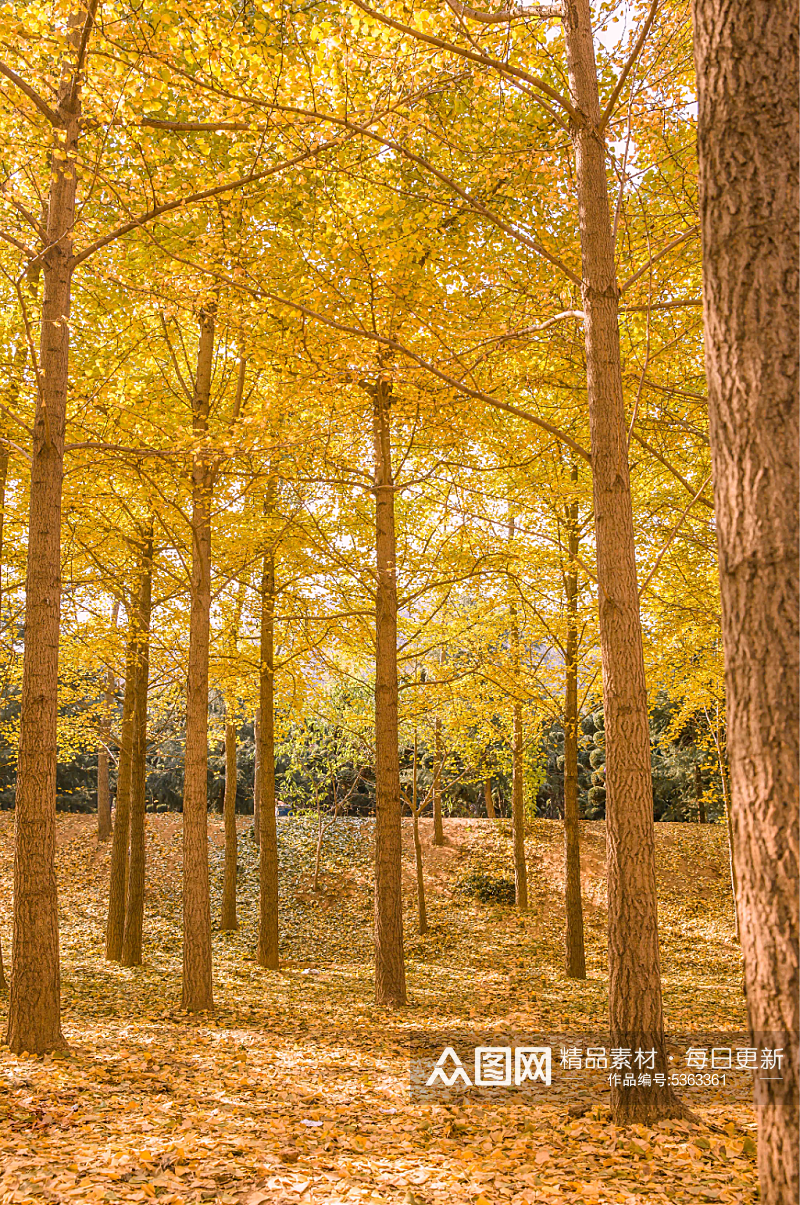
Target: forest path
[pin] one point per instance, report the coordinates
(298, 1089)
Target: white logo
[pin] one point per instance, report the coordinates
(439, 1072)
(532, 1062)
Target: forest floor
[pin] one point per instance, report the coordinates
(297, 1091)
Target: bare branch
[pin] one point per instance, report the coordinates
(504, 16)
(672, 536)
(676, 242)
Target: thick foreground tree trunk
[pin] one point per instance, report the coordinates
(228, 919)
(747, 68)
(390, 972)
(118, 874)
(134, 895)
(35, 1002)
(267, 952)
(575, 955)
(635, 1004)
(198, 992)
(103, 760)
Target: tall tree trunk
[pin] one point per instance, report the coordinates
(228, 919)
(635, 1003)
(422, 912)
(576, 958)
(103, 786)
(438, 827)
(134, 895)
(517, 757)
(747, 69)
(390, 972)
(34, 1022)
(118, 875)
(198, 992)
(267, 952)
(487, 798)
(3, 481)
(256, 778)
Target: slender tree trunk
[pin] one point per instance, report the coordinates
(635, 1003)
(487, 798)
(422, 913)
(723, 776)
(3, 481)
(267, 953)
(517, 758)
(390, 973)
(576, 958)
(198, 992)
(438, 827)
(103, 786)
(256, 778)
(134, 895)
(34, 1022)
(698, 794)
(228, 919)
(747, 68)
(118, 875)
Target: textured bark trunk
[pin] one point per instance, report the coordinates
(134, 895)
(267, 952)
(747, 68)
(228, 919)
(118, 875)
(438, 827)
(256, 779)
(390, 972)
(198, 992)
(35, 1001)
(635, 1003)
(487, 798)
(698, 794)
(575, 955)
(103, 785)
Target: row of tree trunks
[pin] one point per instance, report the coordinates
(390, 974)
(747, 70)
(134, 896)
(575, 955)
(635, 1002)
(198, 993)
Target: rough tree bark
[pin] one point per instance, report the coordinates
(390, 972)
(575, 954)
(438, 827)
(635, 1002)
(35, 1000)
(118, 874)
(103, 760)
(198, 992)
(747, 68)
(267, 952)
(134, 894)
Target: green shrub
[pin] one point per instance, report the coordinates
(489, 889)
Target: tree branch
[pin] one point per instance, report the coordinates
(31, 93)
(676, 242)
(513, 13)
(612, 100)
(672, 536)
